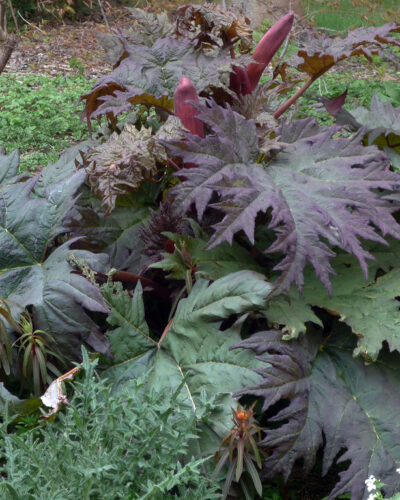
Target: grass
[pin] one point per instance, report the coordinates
(341, 15)
(40, 116)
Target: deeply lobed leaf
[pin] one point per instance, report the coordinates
(194, 350)
(150, 75)
(369, 308)
(320, 51)
(32, 214)
(331, 397)
(321, 192)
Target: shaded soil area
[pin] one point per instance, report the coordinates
(65, 48)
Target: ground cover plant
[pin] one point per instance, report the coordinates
(126, 446)
(342, 15)
(52, 123)
(176, 240)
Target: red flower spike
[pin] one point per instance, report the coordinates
(184, 110)
(267, 47)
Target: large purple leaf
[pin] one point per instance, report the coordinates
(331, 397)
(381, 123)
(321, 192)
(150, 75)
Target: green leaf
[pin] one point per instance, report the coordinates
(370, 307)
(131, 335)
(29, 276)
(63, 169)
(254, 474)
(9, 165)
(240, 453)
(117, 235)
(17, 406)
(382, 119)
(194, 350)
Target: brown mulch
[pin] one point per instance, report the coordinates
(65, 48)
(53, 49)
(51, 52)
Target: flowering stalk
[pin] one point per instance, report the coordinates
(267, 48)
(244, 81)
(184, 110)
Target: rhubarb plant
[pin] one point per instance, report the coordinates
(206, 241)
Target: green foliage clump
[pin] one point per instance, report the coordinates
(39, 116)
(128, 446)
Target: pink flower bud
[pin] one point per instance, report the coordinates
(184, 110)
(267, 47)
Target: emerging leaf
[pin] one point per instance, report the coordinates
(209, 264)
(122, 163)
(152, 235)
(267, 47)
(184, 110)
(334, 398)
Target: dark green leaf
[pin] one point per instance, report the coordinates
(28, 277)
(194, 350)
(9, 165)
(370, 307)
(209, 264)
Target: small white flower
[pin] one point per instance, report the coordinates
(398, 471)
(370, 482)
